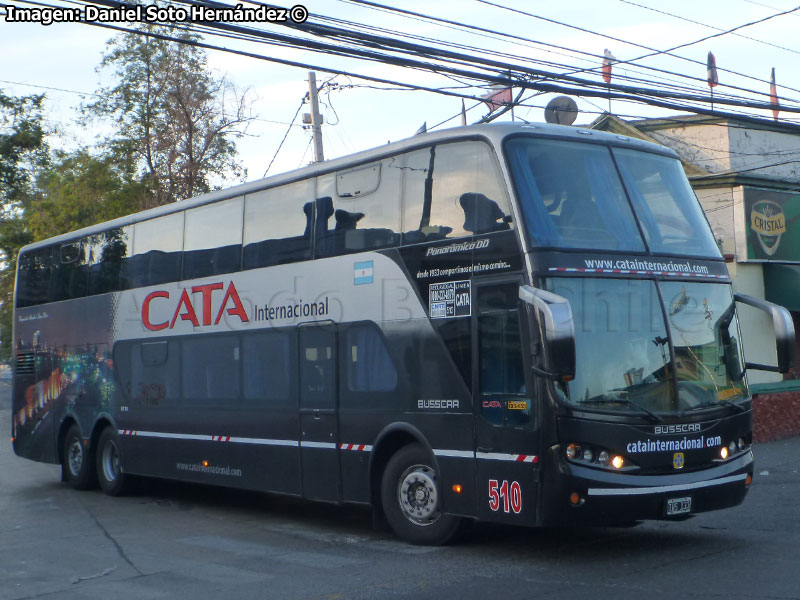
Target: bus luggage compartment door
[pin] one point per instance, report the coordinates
(319, 418)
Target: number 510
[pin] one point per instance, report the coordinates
(510, 494)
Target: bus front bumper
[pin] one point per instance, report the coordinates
(581, 494)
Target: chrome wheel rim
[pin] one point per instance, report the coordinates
(110, 462)
(417, 495)
(75, 457)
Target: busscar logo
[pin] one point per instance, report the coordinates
(185, 309)
(438, 404)
(768, 224)
(682, 428)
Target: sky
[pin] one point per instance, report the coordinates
(61, 61)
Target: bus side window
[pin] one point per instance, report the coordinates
(369, 366)
(72, 274)
(108, 253)
(210, 367)
(152, 370)
(213, 241)
(276, 227)
(503, 397)
(35, 272)
(366, 208)
(158, 247)
(268, 367)
(453, 190)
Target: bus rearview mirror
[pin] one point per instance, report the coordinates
(784, 333)
(551, 324)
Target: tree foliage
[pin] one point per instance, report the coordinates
(173, 120)
(23, 149)
(172, 129)
(78, 190)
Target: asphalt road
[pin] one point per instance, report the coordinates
(190, 542)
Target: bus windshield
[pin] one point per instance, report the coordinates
(579, 195)
(643, 374)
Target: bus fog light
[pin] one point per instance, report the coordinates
(603, 458)
(742, 444)
(588, 455)
(732, 448)
(724, 452)
(575, 499)
(617, 462)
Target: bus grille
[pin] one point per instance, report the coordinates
(25, 363)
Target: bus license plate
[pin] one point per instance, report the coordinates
(679, 506)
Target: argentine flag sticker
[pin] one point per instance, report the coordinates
(362, 272)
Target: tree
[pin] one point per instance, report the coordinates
(173, 119)
(78, 190)
(23, 150)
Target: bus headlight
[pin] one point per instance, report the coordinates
(584, 454)
(572, 451)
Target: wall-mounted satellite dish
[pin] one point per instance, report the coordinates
(561, 110)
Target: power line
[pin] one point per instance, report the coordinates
(285, 135)
(517, 39)
(518, 78)
(747, 37)
(654, 50)
(45, 87)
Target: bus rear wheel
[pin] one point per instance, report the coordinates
(109, 472)
(76, 461)
(412, 499)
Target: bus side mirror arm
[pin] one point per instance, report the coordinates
(551, 323)
(784, 333)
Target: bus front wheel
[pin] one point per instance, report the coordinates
(412, 499)
(76, 460)
(109, 473)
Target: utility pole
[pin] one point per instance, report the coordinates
(316, 118)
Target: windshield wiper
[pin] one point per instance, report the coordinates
(607, 400)
(717, 403)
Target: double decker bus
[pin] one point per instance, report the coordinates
(525, 324)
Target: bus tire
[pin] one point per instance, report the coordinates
(109, 472)
(411, 498)
(76, 461)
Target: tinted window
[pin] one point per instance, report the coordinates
(278, 225)
(369, 366)
(71, 275)
(671, 217)
(366, 208)
(572, 196)
(108, 254)
(213, 241)
(157, 244)
(154, 370)
(317, 367)
(502, 381)
(210, 367)
(268, 366)
(453, 190)
(33, 285)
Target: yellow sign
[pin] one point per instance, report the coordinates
(517, 405)
(770, 220)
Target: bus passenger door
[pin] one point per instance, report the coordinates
(506, 430)
(319, 419)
